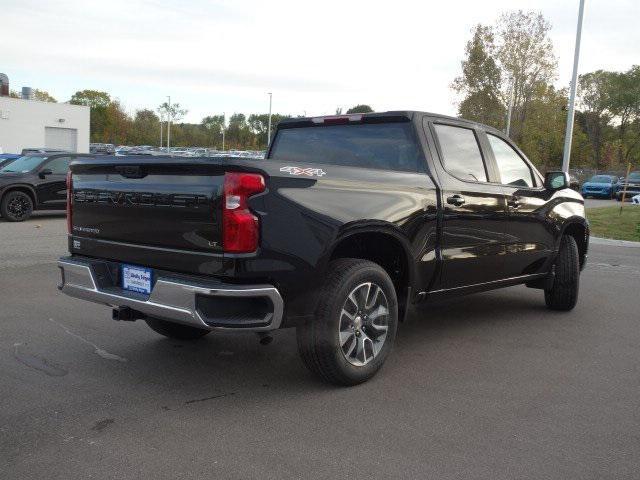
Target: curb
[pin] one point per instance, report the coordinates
(614, 243)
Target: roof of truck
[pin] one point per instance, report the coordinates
(408, 114)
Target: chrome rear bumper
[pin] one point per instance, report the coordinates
(201, 303)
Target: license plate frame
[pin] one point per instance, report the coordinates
(136, 279)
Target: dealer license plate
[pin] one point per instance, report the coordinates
(136, 279)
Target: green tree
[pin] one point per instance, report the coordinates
(175, 112)
(214, 125)
(43, 96)
(526, 58)
(624, 105)
(145, 128)
(594, 90)
(515, 54)
(117, 125)
(91, 98)
(98, 102)
(360, 109)
(239, 134)
(259, 125)
(480, 81)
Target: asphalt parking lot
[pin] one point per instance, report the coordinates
(494, 386)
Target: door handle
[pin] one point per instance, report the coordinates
(456, 200)
(514, 202)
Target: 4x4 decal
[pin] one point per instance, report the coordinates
(309, 172)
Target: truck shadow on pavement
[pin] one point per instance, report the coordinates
(220, 366)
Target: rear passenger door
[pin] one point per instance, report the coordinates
(529, 233)
(474, 208)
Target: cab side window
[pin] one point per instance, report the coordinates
(59, 166)
(513, 169)
(461, 152)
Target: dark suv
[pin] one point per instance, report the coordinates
(34, 182)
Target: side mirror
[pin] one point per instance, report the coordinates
(556, 180)
(44, 172)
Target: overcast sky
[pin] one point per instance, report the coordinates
(224, 56)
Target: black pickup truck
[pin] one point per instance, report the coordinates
(348, 223)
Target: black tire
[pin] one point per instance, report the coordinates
(319, 341)
(175, 330)
(563, 295)
(16, 206)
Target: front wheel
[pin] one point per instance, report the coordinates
(563, 294)
(16, 206)
(355, 325)
(175, 330)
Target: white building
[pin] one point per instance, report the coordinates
(35, 124)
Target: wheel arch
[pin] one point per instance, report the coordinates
(21, 188)
(578, 228)
(382, 244)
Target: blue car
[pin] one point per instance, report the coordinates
(602, 186)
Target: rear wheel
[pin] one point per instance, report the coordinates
(355, 324)
(16, 206)
(563, 295)
(175, 330)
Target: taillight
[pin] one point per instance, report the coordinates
(240, 227)
(69, 201)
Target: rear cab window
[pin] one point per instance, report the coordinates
(386, 146)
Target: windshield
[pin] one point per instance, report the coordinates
(23, 164)
(600, 179)
(634, 176)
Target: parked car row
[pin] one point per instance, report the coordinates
(188, 152)
(102, 149)
(612, 186)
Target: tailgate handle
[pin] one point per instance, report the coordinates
(131, 171)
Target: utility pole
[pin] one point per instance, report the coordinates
(508, 128)
(169, 124)
(572, 97)
(161, 119)
(269, 126)
(224, 121)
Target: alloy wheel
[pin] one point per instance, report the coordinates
(18, 207)
(363, 324)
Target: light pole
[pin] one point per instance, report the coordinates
(572, 97)
(224, 121)
(169, 124)
(506, 131)
(161, 119)
(269, 123)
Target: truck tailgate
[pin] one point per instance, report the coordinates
(153, 204)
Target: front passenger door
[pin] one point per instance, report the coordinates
(52, 187)
(529, 235)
